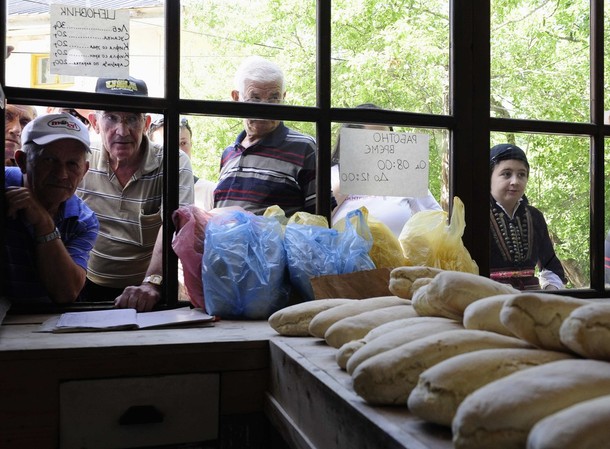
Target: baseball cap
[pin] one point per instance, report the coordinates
(122, 86)
(51, 127)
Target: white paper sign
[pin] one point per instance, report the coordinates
(383, 163)
(89, 41)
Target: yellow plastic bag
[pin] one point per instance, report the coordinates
(427, 240)
(299, 217)
(276, 212)
(386, 251)
(306, 218)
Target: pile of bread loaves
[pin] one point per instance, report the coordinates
(500, 367)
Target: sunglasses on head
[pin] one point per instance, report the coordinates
(161, 120)
(74, 113)
(184, 123)
(358, 126)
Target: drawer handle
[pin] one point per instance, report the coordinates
(141, 414)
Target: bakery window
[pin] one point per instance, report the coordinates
(467, 73)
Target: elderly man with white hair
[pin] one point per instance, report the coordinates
(269, 163)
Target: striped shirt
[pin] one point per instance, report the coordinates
(279, 170)
(130, 216)
(78, 227)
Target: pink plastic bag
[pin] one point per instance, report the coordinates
(190, 222)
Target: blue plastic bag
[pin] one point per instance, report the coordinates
(317, 251)
(244, 266)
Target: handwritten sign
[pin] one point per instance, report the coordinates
(89, 41)
(383, 163)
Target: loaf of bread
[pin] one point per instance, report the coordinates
(388, 377)
(357, 326)
(419, 283)
(294, 320)
(320, 323)
(537, 317)
(484, 315)
(402, 278)
(586, 331)
(503, 412)
(584, 425)
(443, 387)
(424, 307)
(345, 352)
(450, 292)
(384, 329)
(418, 329)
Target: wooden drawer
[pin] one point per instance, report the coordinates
(139, 411)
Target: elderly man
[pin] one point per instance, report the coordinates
(269, 164)
(124, 187)
(15, 119)
(49, 230)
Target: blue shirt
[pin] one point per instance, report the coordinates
(279, 170)
(78, 227)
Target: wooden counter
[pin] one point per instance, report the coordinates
(294, 381)
(312, 403)
(36, 366)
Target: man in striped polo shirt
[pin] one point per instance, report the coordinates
(269, 163)
(124, 186)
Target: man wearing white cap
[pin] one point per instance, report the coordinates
(49, 230)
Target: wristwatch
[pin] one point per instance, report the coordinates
(48, 237)
(154, 279)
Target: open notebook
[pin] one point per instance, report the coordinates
(126, 319)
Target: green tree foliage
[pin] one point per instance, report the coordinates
(396, 54)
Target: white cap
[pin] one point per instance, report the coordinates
(51, 127)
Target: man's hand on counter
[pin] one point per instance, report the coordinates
(141, 297)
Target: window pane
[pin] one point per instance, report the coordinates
(395, 57)
(38, 53)
(540, 60)
(218, 34)
(558, 186)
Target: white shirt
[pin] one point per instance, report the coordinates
(394, 211)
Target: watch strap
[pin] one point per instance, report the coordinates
(48, 237)
(154, 279)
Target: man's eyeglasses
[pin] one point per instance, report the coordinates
(131, 120)
(275, 99)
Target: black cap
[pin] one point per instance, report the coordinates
(506, 151)
(122, 86)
